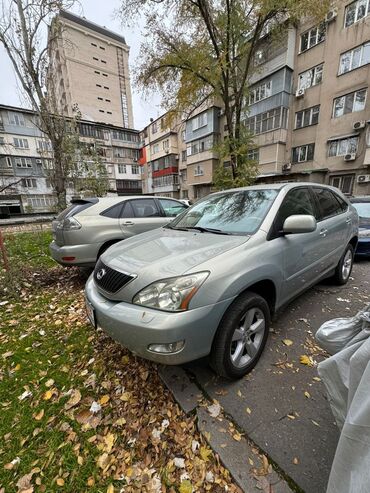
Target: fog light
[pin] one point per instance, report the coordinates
(171, 347)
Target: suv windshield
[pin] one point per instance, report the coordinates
(363, 209)
(228, 212)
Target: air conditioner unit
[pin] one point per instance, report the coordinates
(287, 167)
(177, 157)
(363, 179)
(331, 15)
(358, 125)
(350, 157)
(300, 93)
(38, 161)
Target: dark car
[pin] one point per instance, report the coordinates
(362, 205)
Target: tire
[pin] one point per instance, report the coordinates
(105, 247)
(229, 358)
(344, 267)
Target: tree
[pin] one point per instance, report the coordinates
(24, 29)
(199, 51)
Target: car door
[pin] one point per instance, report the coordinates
(301, 252)
(140, 215)
(171, 208)
(332, 225)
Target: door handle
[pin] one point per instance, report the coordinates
(348, 220)
(128, 223)
(323, 232)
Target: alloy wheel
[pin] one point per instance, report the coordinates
(247, 337)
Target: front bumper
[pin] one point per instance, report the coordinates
(84, 255)
(363, 247)
(136, 327)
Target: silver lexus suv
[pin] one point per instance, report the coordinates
(209, 282)
(83, 231)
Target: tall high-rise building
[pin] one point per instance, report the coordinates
(89, 68)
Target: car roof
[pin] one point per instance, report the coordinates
(280, 186)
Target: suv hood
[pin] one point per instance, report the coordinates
(163, 253)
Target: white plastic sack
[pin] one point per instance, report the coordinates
(335, 334)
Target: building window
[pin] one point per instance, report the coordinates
(43, 145)
(126, 136)
(265, 122)
(9, 161)
(350, 60)
(122, 168)
(310, 77)
(102, 48)
(96, 59)
(253, 154)
(184, 175)
(96, 72)
(23, 162)
(313, 36)
(29, 183)
(343, 183)
(107, 100)
(100, 99)
(200, 145)
(103, 61)
(101, 111)
(105, 75)
(20, 143)
(199, 121)
(2, 141)
(198, 170)
(16, 119)
(93, 44)
(303, 153)
(356, 11)
(155, 148)
(135, 169)
(98, 85)
(154, 128)
(106, 87)
(183, 155)
(307, 117)
(341, 147)
(350, 103)
(263, 91)
(166, 144)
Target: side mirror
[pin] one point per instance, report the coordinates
(295, 224)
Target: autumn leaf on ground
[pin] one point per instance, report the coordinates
(307, 394)
(103, 400)
(205, 452)
(38, 416)
(287, 342)
(186, 487)
(109, 440)
(73, 400)
(49, 394)
(306, 360)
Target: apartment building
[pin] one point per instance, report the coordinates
(329, 132)
(89, 68)
(25, 157)
(26, 160)
(162, 150)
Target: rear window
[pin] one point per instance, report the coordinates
(75, 208)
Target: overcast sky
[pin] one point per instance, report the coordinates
(101, 12)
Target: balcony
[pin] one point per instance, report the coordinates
(166, 171)
(166, 183)
(129, 187)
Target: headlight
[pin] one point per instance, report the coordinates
(171, 295)
(364, 233)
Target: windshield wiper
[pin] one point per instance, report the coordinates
(208, 230)
(176, 229)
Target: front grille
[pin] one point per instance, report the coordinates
(111, 280)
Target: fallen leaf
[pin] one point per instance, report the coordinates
(109, 440)
(38, 416)
(287, 342)
(179, 462)
(186, 487)
(120, 422)
(24, 483)
(60, 481)
(317, 379)
(307, 394)
(103, 400)
(73, 400)
(248, 410)
(80, 460)
(306, 360)
(110, 489)
(49, 383)
(205, 452)
(295, 461)
(214, 410)
(237, 436)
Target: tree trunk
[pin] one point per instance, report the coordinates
(58, 176)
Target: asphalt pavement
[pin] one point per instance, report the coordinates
(282, 406)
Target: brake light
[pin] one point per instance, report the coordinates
(68, 259)
(69, 224)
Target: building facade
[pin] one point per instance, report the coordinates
(308, 109)
(89, 68)
(26, 160)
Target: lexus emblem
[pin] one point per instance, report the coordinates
(100, 274)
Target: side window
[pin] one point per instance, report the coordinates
(328, 204)
(297, 201)
(113, 212)
(127, 210)
(343, 203)
(145, 208)
(171, 208)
